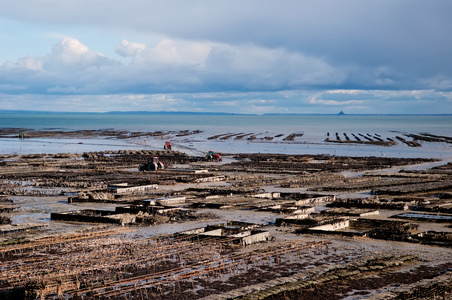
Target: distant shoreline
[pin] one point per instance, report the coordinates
(199, 113)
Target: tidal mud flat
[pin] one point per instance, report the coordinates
(262, 226)
(253, 226)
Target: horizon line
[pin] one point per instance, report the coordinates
(215, 113)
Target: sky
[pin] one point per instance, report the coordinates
(247, 56)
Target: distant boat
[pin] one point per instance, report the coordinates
(341, 113)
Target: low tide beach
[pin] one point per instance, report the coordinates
(332, 209)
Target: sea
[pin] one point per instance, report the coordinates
(311, 130)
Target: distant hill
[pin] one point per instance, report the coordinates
(117, 112)
(166, 113)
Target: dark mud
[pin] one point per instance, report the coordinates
(302, 192)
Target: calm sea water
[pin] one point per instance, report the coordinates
(439, 124)
(313, 127)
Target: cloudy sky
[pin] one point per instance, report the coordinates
(247, 56)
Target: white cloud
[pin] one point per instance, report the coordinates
(176, 52)
(349, 92)
(334, 102)
(203, 66)
(206, 75)
(67, 54)
(127, 48)
(27, 63)
(71, 52)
